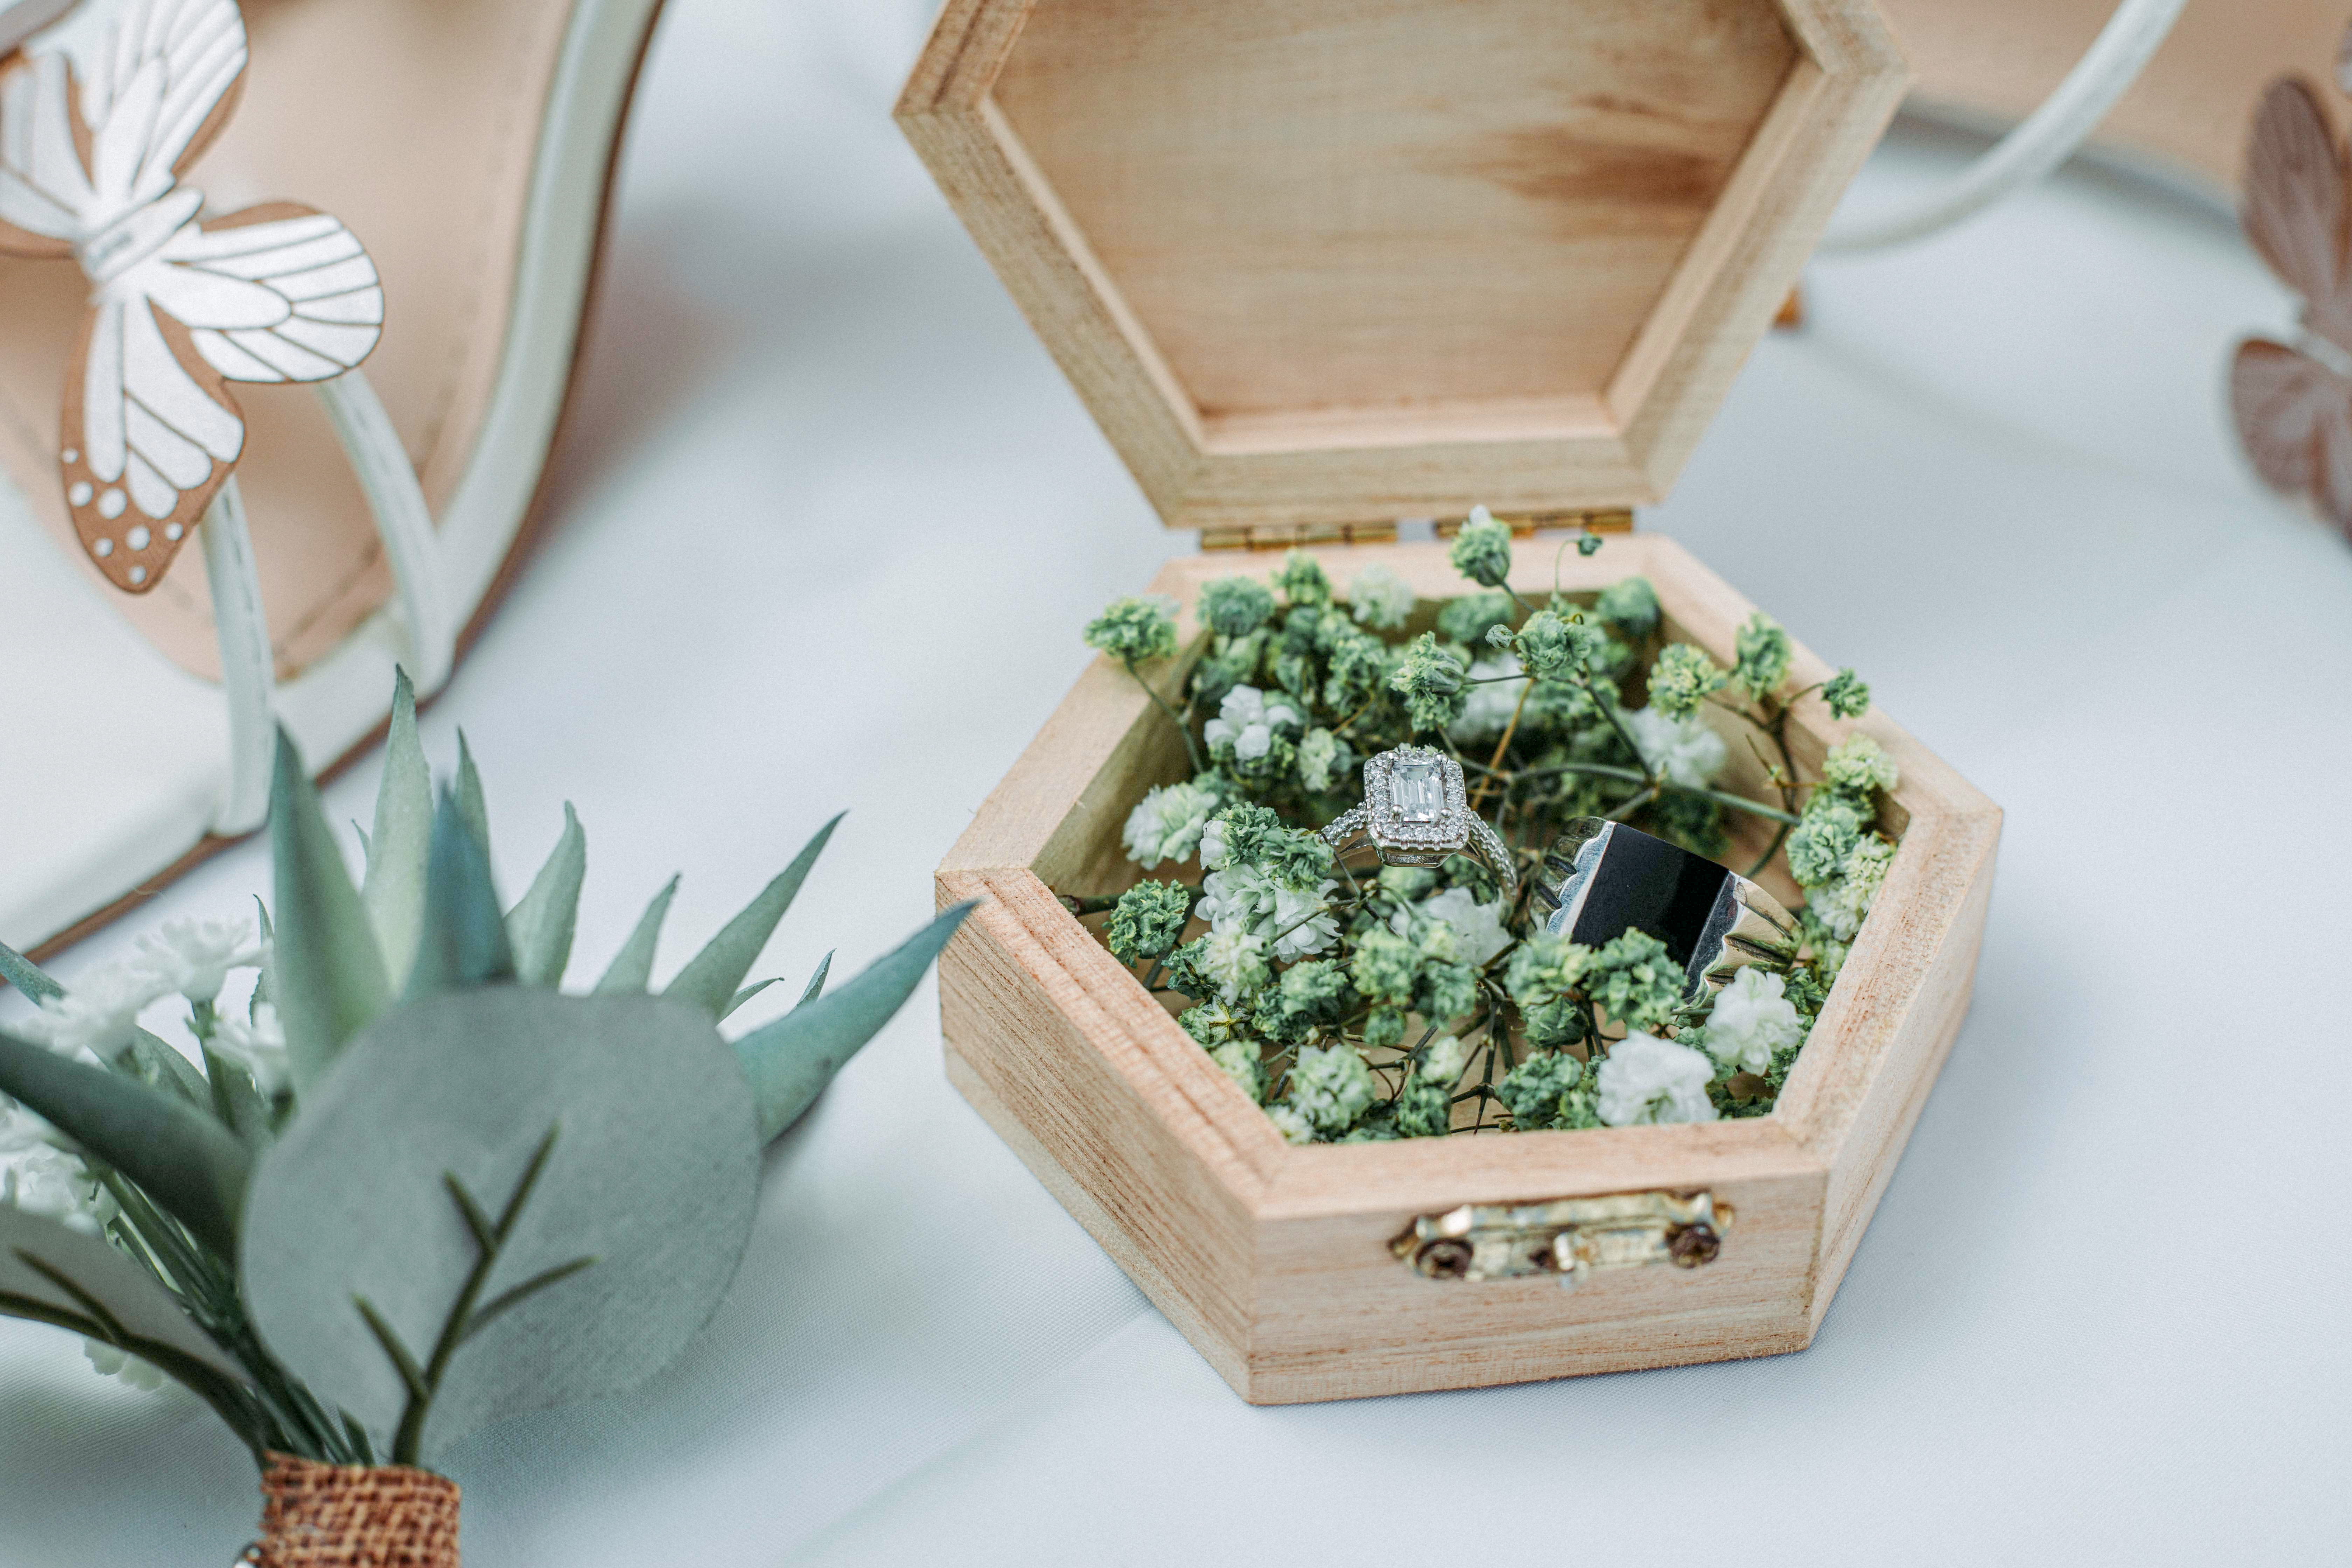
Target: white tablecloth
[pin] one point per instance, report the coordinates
(830, 523)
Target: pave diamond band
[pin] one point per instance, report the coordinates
(1416, 813)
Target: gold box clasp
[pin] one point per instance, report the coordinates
(1569, 1237)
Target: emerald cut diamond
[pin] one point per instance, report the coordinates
(1417, 787)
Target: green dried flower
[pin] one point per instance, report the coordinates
(1482, 550)
(1302, 581)
(1356, 671)
(1631, 606)
(1760, 655)
(1323, 762)
(1384, 1028)
(1213, 1023)
(1230, 662)
(1235, 606)
(1429, 679)
(1254, 836)
(1471, 618)
(1443, 1058)
(1310, 994)
(1847, 695)
(1386, 968)
(1147, 920)
(1423, 1109)
(1531, 1091)
(1633, 979)
(1859, 766)
(1135, 630)
(1552, 645)
(1544, 968)
(1588, 544)
(1681, 679)
(1381, 598)
(1241, 1064)
(1820, 844)
(1447, 991)
(1331, 1087)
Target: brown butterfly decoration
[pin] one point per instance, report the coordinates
(2292, 402)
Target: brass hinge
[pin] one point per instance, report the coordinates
(1290, 536)
(1604, 520)
(1568, 1238)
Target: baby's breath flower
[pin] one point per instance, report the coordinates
(108, 1362)
(1429, 679)
(1477, 929)
(1381, 598)
(1820, 844)
(194, 957)
(1859, 766)
(1423, 1109)
(1294, 1128)
(1323, 762)
(1646, 1079)
(1557, 647)
(1630, 605)
(1239, 1061)
(1847, 695)
(1355, 672)
(1531, 1091)
(1471, 618)
(1331, 1087)
(1752, 1018)
(1482, 550)
(1683, 751)
(1247, 722)
(1135, 630)
(1147, 921)
(1486, 709)
(1447, 991)
(50, 1184)
(1213, 1023)
(100, 1014)
(1681, 678)
(1841, 905)
(1545, 968)
(1235, 606)
(1385, 967)
(1442, 1060)
(1634, 980)
(257, 1043)
(1233, 961)
(1760, 655)
(1302, 581)
(1309, 993)
(1168, 822)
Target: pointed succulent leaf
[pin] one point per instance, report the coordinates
(651, 1175)
(791, 1060)
(633, 966)
(471, 801)
(710, 976)
(540, 928)
(398, 849)
(735, 1005)
(464, 942)
(52, 1275)
(26, 975)
(326, 972)
(815, 987)
(187, 1162)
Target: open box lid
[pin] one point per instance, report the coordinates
(1350, 261)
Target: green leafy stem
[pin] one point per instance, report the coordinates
(464, 1319)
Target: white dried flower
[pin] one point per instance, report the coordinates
(1477, 929)
(1331, 1087)
(1442, 1060)
(1295, 922)
(109, 1362)
(1248, 718)
(1753, 1017)
(1841, 905)
(1234, 960)
(1486, 709)
(259, 1046)
(1685, 750)
(1381, 599)
(1645, 1079)
(1167, 823)
(194, 957)
(1323, 761)
(100, 1014)
(49, 1182)
(1294, 1128)
(1301, 925)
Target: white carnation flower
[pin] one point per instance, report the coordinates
(1301, 925)
(109, 1362)
(100, 1014)
(1381, 598)
(1168, 822)
(259, 1047)
(1238, 896)
(48, 1182)
(194, 957)
(1753, 1017)
(1477, 929)
(1685, 749)
(1234, 960)
(1322, 761)
(1487, 712)
(1248, 718)
(1645, 1079)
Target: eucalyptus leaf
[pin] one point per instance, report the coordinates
(26, 975)
(791, 1060)
(401, 842)
(52, 1275)
(464, 942)
(651, 1172)
(186, 1161)
(471, 801)
(541, 927)
(326, 972)
(711, 977)
(633, 967)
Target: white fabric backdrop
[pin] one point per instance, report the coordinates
(830, 521)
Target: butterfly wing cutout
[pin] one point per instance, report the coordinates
(2297, 211)
(2294, 417)
(275, 294)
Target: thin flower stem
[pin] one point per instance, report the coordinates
(1183, 726)
(1501, 746)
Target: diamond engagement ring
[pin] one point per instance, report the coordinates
(1416, 813)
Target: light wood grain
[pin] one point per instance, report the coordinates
(1351, 260)
(1272, 1259)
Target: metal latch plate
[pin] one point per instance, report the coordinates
(1567, 1238)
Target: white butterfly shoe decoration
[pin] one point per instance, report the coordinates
(99, 118)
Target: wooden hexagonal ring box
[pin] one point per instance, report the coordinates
(1318, 266)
